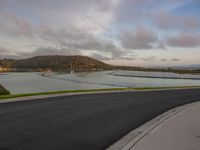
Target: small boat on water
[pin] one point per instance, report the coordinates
(47, 74)
(71, 69)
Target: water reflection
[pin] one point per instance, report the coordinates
(36, 82)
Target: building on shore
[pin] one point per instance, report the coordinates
(2, 69)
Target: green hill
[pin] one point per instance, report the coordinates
(55, 62)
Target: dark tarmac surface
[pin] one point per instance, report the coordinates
(83, 122)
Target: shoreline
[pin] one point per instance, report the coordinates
(155, 77)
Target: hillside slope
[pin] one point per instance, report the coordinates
(55, 62)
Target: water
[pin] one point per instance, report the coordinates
(168, 75)
(35, 82)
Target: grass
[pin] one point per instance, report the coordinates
(58, 92)
(163, 88)
(3, 91)
(92, 90)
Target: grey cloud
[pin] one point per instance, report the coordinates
(161, 45)
(71, 27)
(91, 14)
(10, 56)
(70, 38)
(7, 53)
(4, 51)
(14, 25)
(48, 51)
(184, 40)
(141, 38)
(163, 60)
(130, 58)
(76, 39)
(151, 58)
(99, 57)
(164, 20)
(123, 55)
(175, 59)
(118, 54)
(51, 4)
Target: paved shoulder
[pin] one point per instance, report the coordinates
(180, 132)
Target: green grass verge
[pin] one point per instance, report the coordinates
(163, 88)
(92, 90)
(58, 92)
(3, 91)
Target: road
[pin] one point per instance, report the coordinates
(83, 122)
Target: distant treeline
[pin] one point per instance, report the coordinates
(3, 91)
(179, 71)
(75, 63)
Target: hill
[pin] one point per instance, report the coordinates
(75, 63)
(55, 62)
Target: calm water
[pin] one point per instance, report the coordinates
(155, 74)
(35, 82)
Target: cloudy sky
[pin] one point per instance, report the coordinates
(124, 32)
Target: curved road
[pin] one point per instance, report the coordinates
(83, 122)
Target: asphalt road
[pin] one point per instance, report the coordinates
(83, 122)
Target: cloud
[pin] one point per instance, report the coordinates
(163, 60)
(161, 45)
(93, 15)
(7, 53)
(13, 25)
(39, 51)
(4, 51)
(77, 40)
(70, 38)
(73, 26)
(175, 59)
(141, 38)
(105, 29)
(51, 51)
(99, 57)
(129, 57)
(124, 55)
(166, 21)
(184, 40)
(151, 58)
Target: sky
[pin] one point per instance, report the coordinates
(118, 32)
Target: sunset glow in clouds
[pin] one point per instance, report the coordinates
(124, 32)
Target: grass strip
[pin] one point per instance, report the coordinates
(92, 90)
(3, 91)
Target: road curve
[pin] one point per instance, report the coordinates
(83, 122)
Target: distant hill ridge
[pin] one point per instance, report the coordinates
(75, 63)
(55, 62)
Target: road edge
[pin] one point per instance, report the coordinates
(25, 98)
(133, 137)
